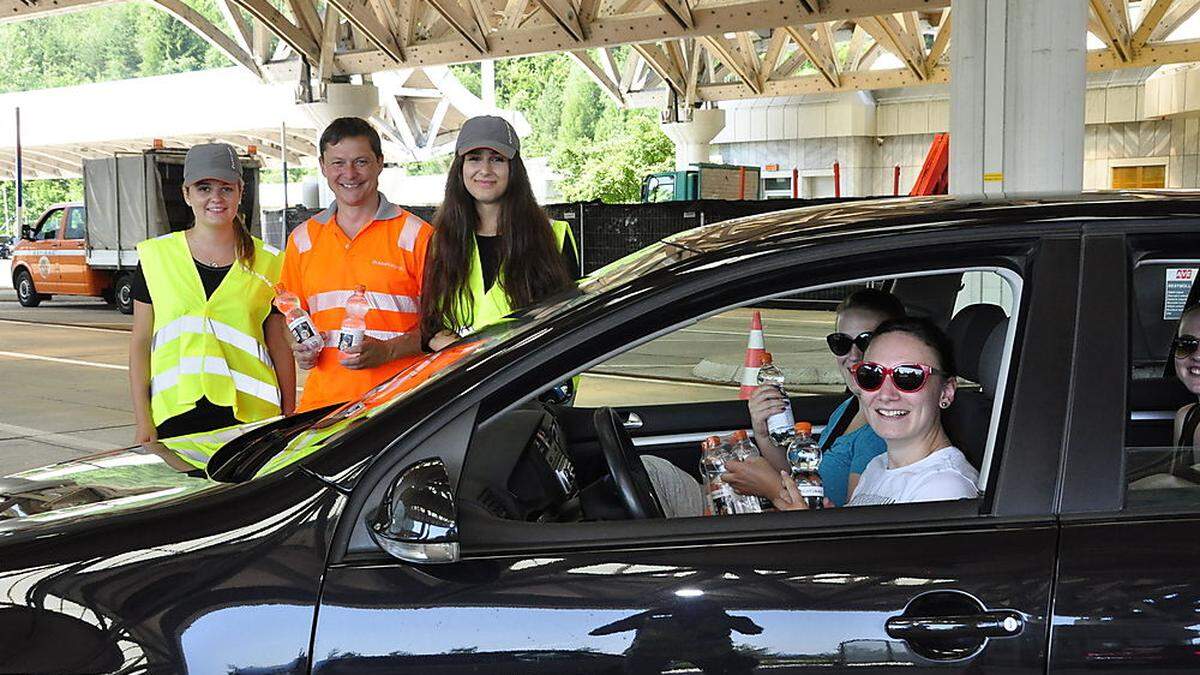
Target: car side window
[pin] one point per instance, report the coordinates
(50, 226)
(706, 360)
(76, 223)
(1162, 460)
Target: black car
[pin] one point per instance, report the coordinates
(454, 521)
(5, 248)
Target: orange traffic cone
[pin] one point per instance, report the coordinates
(754, 352)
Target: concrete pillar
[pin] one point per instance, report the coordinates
(342, 100)
(487, 83)
(692, 138)
(1017, 97)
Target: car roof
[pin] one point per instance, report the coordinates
(876, 216)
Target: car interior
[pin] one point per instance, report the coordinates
(1158, 472)
(554, 462)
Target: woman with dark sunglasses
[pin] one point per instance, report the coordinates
(1185, 349)
(907, 380)
(848, 443)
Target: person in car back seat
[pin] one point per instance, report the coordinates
(907, 380)
(1185, 348)
(848, 443)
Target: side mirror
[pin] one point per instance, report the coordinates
(417, 521)
(27, 232)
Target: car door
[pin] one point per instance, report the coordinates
(72, 262)
(1128, 591)
(43, 258)
(962, 586)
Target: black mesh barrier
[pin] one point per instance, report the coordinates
(607, 232)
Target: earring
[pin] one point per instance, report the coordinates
(944, 404)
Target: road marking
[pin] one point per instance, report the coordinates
(64, 440)
(49, 324)
(55, 359)
(745, 333)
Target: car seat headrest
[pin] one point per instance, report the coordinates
(977, 332)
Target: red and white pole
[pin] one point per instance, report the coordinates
(837, 180)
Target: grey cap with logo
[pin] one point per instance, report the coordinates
(212, 160)
(488, 131)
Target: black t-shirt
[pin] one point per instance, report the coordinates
(210, 277)
(489, 258)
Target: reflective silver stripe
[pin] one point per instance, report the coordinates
(222, 331)
(194, 455)
(408, 235)
(302, 238)
(271, 249)
(212, 365)
(384, 301)
(331, 336)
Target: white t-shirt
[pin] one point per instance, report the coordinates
(944, 474)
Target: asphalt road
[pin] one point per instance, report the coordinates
(64, 389)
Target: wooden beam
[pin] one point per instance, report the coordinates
(679, 11)
(941, 40)
(241, 30)
(1150, 20)
(745, 45)
(328, 43)
(720, 47)
(660, 63)
(306, 17)
(358, 14)
(632, 63)
(565, 15)
(285, 30)
(796, 59)
(1113, 16)
(210, 33)
(770, 59)
(854, 52)
(693, 80)
(888, 32)
(613, 89)
(513, 11)
(821, 60)
(462, 24)
(675, 51)
(1180, 11)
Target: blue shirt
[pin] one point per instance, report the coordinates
(847, 454)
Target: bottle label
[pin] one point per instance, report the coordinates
(810, 490)
(349, 338)
(302, 329)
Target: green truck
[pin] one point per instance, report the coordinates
(703, 181)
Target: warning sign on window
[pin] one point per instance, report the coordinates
(1179, 285)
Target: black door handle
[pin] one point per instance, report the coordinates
(1003, 623)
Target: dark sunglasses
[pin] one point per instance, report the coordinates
(909, 377)
(1184, 346)
(840, 343)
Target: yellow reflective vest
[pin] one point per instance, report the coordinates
(209, 347)
(492, 305)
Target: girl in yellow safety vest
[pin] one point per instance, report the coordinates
(493, 250)
(207, 350)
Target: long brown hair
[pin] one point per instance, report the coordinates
(524, 235)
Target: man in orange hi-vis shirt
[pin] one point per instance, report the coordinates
(361, 239)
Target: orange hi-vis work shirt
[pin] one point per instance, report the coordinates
(323, 266)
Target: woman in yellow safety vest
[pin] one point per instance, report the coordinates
(493, 250)
(207, 350)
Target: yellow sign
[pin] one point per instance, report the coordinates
(994, 177)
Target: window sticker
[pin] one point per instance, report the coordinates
(1179, 285)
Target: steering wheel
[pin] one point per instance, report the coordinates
(625, 466)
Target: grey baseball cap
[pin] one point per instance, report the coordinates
(488, 131)
(212, 160)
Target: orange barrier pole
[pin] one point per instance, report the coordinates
(795, 183)
(742, 180)
(837, 180)
(896, 181)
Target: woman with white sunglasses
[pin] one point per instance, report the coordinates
(1185, 348)
(906, 380)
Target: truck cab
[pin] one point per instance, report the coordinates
(51, 258)
(703, 181)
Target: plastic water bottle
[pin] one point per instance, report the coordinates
(301, 325)
(354, 326)
(780, 426)
(721, 499)
(804, 456)
(742, 449)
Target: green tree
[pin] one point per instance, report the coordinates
(39, 195)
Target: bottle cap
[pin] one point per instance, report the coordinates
(803, 427)
(360, 289)
(740, 435)
(766, 358)
(713, 441)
